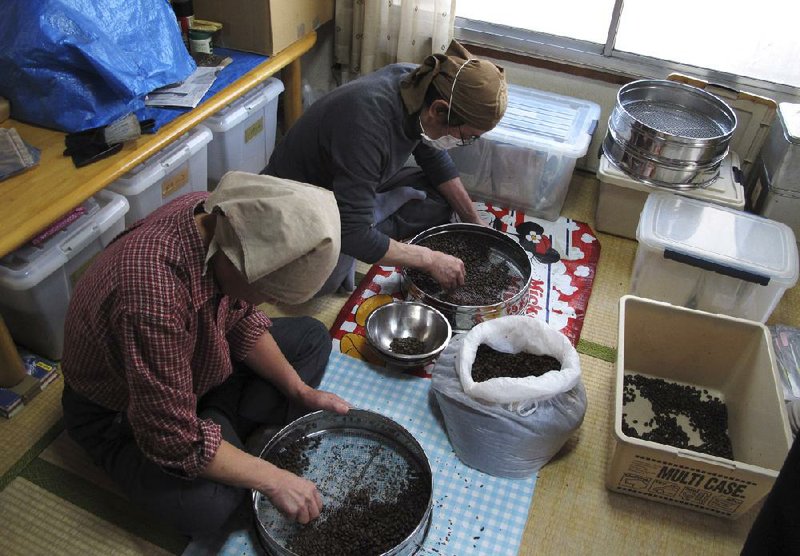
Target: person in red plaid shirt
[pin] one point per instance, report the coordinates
(169, 366)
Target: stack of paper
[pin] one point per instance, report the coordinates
(187, 94)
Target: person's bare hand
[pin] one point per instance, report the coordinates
(447, 270)
(295, 497)
(478, 220)
(320, 399)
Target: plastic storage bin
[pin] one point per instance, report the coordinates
(526, 162)
(36, 283)
(713, 258)
(621, 197)
(244, 132)
(733, 360)
(182, 167)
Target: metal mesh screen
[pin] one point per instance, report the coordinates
(343, 463)
(674, 119)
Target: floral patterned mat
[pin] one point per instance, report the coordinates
(564, 256)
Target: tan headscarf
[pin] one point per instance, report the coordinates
(283, 236)
(479, 96)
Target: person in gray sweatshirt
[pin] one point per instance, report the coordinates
(357, 142)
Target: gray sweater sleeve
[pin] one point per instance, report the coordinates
(437, 165)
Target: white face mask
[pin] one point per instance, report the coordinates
(442, 143)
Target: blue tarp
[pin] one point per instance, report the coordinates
(76, 64)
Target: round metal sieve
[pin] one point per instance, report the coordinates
(669, 134)
(505, 254)
(353, 456)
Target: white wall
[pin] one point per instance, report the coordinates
(317, 63)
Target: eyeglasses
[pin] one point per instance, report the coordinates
(462, 142)
(466, 141)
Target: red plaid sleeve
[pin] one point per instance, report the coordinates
(162, 403)
(247, 324)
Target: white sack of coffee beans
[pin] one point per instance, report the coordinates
(497, 440)
(517, 334)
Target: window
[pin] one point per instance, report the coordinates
(744, 45)
(586, 20)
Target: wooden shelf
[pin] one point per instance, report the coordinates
(30, 201)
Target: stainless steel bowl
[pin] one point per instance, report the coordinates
(361, 449)
(403, 320)
(503, 250)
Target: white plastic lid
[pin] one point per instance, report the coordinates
(239, 110)
(155, 168)
(710, 236)
(547, 121)
(26, 267)
(726, 190)
(790, 116)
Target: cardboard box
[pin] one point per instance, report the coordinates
(264, 26)
(621, 197)
(731, 357)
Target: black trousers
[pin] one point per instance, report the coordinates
(776, 530)
(239, 405)
(414, 216)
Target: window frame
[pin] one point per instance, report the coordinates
(604, 58)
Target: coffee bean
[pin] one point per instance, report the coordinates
(707, 415)
(363, 523)
(490, 363)
(486, 282)
(407, 346)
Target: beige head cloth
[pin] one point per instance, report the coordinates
(480, 94)
(283, 236)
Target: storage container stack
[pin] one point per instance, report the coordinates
(698, 416)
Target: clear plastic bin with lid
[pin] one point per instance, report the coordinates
(712, 258)
(621, 197)
(526, 162)
(244, 132)
(180, 168)
(37, 281)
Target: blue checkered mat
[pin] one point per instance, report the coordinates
(473, 513)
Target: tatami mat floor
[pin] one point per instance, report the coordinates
(52, 500)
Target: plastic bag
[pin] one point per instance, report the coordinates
(498, 441)
(515, 334)
(786, 343)
(72, 65)
(15, 154)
